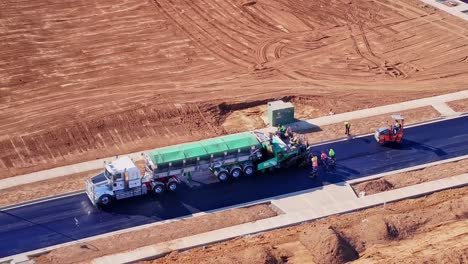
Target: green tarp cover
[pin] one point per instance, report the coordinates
(203, 148)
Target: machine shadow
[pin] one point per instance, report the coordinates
(413, 145)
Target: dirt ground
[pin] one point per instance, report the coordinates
(85, 252)
(459, 105)
(404, 179)
(430, 229)
(75, 182)
(83, 80)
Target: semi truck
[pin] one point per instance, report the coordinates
(226, 157)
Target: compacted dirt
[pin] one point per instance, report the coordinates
(430, 229)
(84, 252)
(81, 80)
(459, 105)
(404, 179)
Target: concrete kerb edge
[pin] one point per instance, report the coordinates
(162, 254)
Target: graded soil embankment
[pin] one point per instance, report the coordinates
(85, 252)
(83, 80)
(408, 178)
(430, 229)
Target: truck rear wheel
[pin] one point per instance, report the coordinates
(236, 173)
(105, 200)
(223, 176)
(158, 188)
(249, 170)
(172, 185)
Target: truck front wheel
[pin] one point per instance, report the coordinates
(105, 200)
(158, 188)
(172, 185)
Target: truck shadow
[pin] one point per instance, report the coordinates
(211, 196)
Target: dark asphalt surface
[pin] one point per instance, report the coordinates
(53, 222)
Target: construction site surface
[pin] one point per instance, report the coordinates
(84, 80)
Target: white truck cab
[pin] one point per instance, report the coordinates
(120, 179)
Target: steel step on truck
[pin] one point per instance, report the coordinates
(225, 157)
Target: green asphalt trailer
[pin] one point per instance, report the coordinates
(226, 157)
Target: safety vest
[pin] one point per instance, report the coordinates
(314, 161)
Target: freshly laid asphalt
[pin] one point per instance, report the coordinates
(66, 219)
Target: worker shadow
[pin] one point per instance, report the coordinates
(340, 175)
(413, 145)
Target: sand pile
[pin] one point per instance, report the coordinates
(328, 246)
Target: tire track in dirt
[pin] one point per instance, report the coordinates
(220, 46)
(222, 54)
(430, 18)
(208, 19)
(367, 53)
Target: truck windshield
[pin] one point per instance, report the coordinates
(107, 174)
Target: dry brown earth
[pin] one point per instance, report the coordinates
(82, 80)
(430, 229)
(85, 252)
(459, 105)
(404, 179)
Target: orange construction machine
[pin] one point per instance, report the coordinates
(393, 133)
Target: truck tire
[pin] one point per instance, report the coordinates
(249, 170)
(158, 188)
(172, 185)
(223, 176)
(236, 173)
(105, 200)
